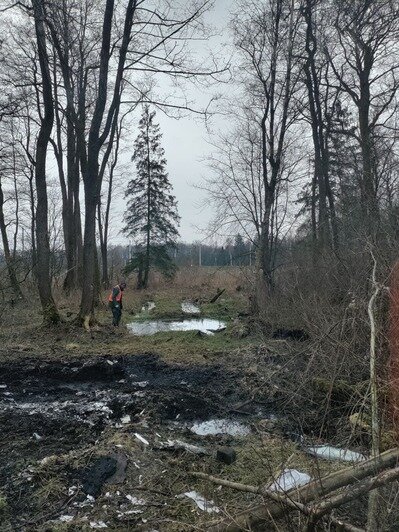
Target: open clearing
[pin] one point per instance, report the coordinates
(103, 429)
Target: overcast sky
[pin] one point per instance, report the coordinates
(185, 143)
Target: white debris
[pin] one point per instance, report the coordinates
(66, 518)
(141, 384)
(129, 512)
(141, 439)
(3, 386)
(334, 453)
(189, 308)
(289, 479)
(72, 490)
(202, 503)
(37, 436)
(89, 501)
(126, 419)
(110, 362)
(98, 524)
(220, 426)
(178, 444)
(136, 465)
(135, 500)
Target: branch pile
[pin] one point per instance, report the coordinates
(316, 499)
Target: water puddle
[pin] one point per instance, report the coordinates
(213, 427)
(189, 308)
(334, 453)
(148, 328)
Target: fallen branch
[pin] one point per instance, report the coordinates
(216, 297)
(320, 508)
(303, 495)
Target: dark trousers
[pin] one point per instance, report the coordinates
(116, 315)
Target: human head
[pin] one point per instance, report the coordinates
(122, 285)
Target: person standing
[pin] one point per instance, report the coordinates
(115, 302)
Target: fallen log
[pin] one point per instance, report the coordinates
(218, 294)
(320, 508)
(310, 492)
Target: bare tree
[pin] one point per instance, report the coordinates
(320, 105)
(50, 311)
(265, 36)
(364, 64)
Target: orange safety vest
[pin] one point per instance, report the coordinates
(118, 298)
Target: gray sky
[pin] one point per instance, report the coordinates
(185, 143)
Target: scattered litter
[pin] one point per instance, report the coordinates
(141, 439)
(227, 455)
(334, 453)
(66, 518)
(126, 419)
(141, 384)
(72, 490)
(150, 305)
(136, 465)
(135, 500)
(89, 501)
(37, 436)
(176, 445)
(98, 524)
(289, 479)
(220, 426)
(47, 459)
(110, 362)
(201, 502)
(121, 515)
(3, 386)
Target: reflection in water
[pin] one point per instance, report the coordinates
(220, 426)
(147, 328)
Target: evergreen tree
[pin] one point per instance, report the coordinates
(151, 217)
(240, 251)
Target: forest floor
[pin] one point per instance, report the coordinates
(97, 427)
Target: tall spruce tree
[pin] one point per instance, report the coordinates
(151, 217)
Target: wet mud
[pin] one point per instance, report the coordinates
(52, 408)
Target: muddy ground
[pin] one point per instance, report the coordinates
(74, 412)
(84, 442)
(97, 428)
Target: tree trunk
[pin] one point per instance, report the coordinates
(50, 312)
(7, 254)
(90, 167)
(89, 248)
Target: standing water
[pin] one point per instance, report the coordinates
(148, 328)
